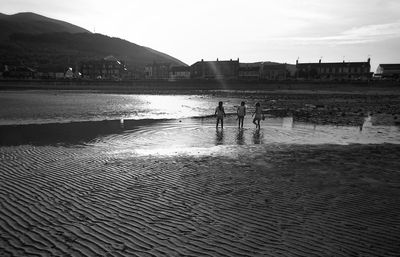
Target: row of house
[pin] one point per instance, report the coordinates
(388, 71)
(346, 71)
(227, 69)
(25, 72)
(334, 70)
(233, 69)
(110, 68)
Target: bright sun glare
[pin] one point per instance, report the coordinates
(174, 106)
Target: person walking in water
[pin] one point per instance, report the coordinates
(220, 113)
(257, 115)
(241, 112)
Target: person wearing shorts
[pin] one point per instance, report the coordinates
(241, 112)
(220, 113)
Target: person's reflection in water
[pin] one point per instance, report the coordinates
(367, 123)
(219, 137)
(240, 137)
(257, 137)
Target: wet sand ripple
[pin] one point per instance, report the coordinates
(326, 200)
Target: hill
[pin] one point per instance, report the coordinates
(32, 23)
(47, 44)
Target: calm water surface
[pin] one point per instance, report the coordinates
(35, 107)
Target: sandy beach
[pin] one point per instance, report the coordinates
(270, 200)
(179, 187)
(200, 128)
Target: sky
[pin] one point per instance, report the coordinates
(253, 30)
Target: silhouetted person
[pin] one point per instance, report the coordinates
(220, 113)
(241, 112)
(257, 115)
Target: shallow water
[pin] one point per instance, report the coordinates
(174, 136)
(159, 124)
(37, 107)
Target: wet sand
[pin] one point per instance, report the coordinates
(291, 189)
(254, 200)
(191, 85)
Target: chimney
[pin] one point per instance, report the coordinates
(202, 60)
(297, 61)
(217, 59)
(319, 61)
(369, 60)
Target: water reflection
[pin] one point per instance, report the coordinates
(240, 139)
(257, 137)
(219, 137)
(367, 123)
(193, 132)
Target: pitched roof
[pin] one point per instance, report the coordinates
(180, 68)
(334, 64)
(216, 62)
(251, 64)
(249, 68)
(390, 66)
(274, 67)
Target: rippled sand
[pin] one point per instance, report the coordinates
(260, 200)
(115, 182)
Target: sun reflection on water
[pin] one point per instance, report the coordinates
(173, 106)
(199, 136)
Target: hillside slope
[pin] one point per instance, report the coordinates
(48, 44)
(34, 24)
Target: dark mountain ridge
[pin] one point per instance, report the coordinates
(47, 44)
(32, 23)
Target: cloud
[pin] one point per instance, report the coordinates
(357, 35)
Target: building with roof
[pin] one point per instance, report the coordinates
(334, 70)
(69, 74)
(215, 69)
(391, 71)
(275, 71)
(179, 72)
(19, 72)
(157, 71)
(249, 71)
(109, 68)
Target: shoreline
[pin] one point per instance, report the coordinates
(320, 108)
(187, 86)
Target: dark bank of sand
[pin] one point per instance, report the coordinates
(201, 85)
(259, 200)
